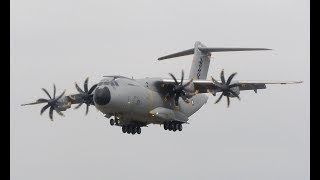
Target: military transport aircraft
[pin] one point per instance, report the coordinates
(135, 103)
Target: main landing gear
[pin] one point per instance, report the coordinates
(172, 126)
(131, 129)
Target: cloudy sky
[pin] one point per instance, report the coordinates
(263, 136)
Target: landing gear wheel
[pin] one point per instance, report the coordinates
(124, 129)
(165, 126)
(129, 129)
(174, 127)
(117, 121)
(180, 127)
(112, 122)
(139, 130)
(171, 125)
(134, 130)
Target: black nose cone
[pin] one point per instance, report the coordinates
(102, 96)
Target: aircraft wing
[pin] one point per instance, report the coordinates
(207, 86)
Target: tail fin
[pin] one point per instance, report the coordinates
(201, 58)
(200, 63)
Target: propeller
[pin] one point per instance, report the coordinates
(86, 95)
(179, 89)
(226, 87)
(52, 102)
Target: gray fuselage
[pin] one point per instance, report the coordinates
(134, 99)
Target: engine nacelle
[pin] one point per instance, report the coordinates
(236, 90)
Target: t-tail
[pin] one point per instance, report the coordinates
(201, 58)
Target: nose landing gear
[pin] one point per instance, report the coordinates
(114, 122)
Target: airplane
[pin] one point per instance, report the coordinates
(134, 103)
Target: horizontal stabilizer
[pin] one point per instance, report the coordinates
(230, 49)
(208, 49)
(178, 54)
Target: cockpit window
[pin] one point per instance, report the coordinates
(112, 83)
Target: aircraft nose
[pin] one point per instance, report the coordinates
(102, 96)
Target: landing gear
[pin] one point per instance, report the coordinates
(117, 121)
(139, 130)
(131, 129)
(112, 122)
(165, 126)
(124, 129)
(172, 126)
(134, 130)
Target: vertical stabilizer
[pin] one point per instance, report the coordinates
(200, 63)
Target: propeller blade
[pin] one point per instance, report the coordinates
(79, 89)
(87, 109)
(44, 108)
(230, 78)
(222, 77)
(188, 83)
(92, 88)
(182, 76)
(46, 92)
(54, 91)
(215, 81)
(234, 94)
(39, 101)
(58, 111)
(228, 101)
(51, 113)
(61, 95)
(216, 84)
(85, 85)
(174, 78)
(78, 105)
(219, 98)
(179, 89)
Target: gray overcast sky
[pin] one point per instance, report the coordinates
(263, 136)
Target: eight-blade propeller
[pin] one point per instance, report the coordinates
(225, 87)
(52, 102)
(86, 95)
(179, 89)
